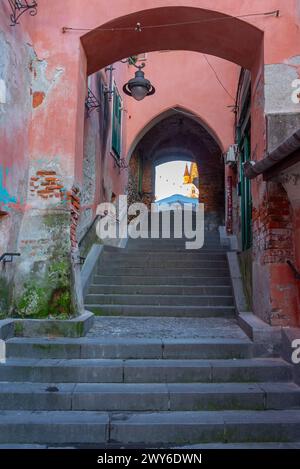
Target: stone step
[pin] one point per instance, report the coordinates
(148, 397)
(158, 255)
(176, 272)
(172, 239)
(145, 371)
(163, 263)
(226, 426)
(155, 428)
(149, 246)
(203, 446)
(222, 446)
(161, 311)
(173, 249)
(160, 290)
(159, 300)
(55, 427)
(162, 280)
(126, 348)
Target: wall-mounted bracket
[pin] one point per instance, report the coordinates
(121, 163)
(110, 89)
(91, 102)
(19, 7)
(7, 257)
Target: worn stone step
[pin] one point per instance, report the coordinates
(156, 428)
(161, 236)
(161, 311)
(224, 426)
(145, 371)
(160, 290)
(163, 280)
(126, 348)
(222, 446)
(148, 397)
(152, 271)
(147, 249)
(124, 254)
(141, 262)
(163, 300)
(206, 371)
(203, 446)
(56, 427)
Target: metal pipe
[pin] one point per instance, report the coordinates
(290, 145)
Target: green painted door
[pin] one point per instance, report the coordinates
(245, 193)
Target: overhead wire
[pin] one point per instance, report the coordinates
(139, 28)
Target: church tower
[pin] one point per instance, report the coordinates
(194, 174)
(191, 181)
(186, 176)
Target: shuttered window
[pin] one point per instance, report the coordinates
(117, 123)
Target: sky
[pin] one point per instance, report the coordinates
(169, 179)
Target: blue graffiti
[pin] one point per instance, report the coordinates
(5, 197)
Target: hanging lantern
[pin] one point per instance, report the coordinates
(139, 87)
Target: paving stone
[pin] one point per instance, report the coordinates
(166, 328)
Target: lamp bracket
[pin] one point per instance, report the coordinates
(19, 7)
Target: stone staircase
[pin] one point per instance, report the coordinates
(162, 278)
(165, 365)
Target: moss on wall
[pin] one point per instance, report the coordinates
(49, 296)
(48, 292)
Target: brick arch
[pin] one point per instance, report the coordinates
(205, 30)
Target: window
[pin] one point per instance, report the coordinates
(117, 123)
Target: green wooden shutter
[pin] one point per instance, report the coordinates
(246, 199)
(117, 123)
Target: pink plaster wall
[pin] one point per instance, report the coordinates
(15, 115)
(238, 40)
(61, 63)
(184, 79)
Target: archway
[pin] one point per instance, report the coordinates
(219, 34)
(179, 137)
(176, 28)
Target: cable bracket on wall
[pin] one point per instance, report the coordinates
(19, 7)
(91, 102)
(294, 270)
(121, 164)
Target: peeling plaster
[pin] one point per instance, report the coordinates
(5, 197)
(278, 93)
(41, 84)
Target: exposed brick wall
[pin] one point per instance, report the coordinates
(47, 185)
(276, 298)
(211, 187)
(147, 196)
(273, 227)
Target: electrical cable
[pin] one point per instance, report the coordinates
(218, 79)
(139, 27)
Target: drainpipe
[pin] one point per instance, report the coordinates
(253, 169)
